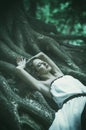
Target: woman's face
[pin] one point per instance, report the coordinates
(41, 66)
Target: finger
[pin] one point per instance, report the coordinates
(25, 60)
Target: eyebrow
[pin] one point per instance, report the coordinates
(38, 63)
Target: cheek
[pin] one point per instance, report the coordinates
(42, 70)
(38, 69)
(49, 68)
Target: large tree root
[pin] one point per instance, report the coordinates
(19, 111)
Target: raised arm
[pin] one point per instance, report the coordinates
(44, 57)
(24, 75)
(29, 79)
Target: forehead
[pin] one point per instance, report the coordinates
(37, 61)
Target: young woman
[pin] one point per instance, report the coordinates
(69, 93)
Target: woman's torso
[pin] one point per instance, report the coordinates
(64, 87)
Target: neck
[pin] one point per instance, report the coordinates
(47, 76)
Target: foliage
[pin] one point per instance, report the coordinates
(67, 15)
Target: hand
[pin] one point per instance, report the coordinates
(21, 62)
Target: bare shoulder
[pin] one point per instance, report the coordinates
(48, 82)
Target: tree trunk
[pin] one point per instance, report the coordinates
(21, 35)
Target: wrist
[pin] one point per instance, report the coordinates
(20, 67)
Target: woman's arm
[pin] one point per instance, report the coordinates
(44, 57)
(24, 75)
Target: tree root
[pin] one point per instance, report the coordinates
(5, 38)
(21, 108)
(7, 53)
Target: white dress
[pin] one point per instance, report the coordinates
(68, 117)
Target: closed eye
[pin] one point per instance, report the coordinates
(39, 65)
(42, 63)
